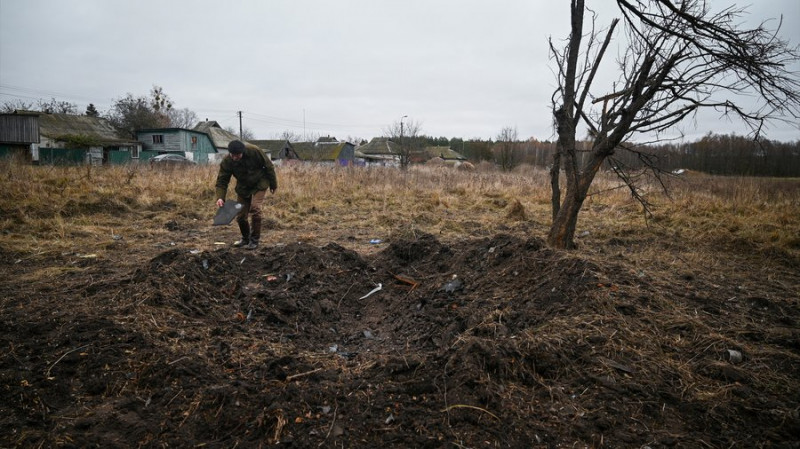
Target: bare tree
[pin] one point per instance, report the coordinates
(51, 106)
(507, 149)
(9, 107)
(291, 136)
(247, 133)
(182, 118)
(406, 133)
(130, 113)
(679, 58)
(54, 106)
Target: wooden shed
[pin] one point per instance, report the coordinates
(19, 134)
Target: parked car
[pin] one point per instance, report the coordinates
(170, 160)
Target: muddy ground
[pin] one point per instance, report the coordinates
(492, 341)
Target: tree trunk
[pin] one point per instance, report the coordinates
(555, 172)
(562, 231)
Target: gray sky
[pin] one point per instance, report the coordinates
(345, 68)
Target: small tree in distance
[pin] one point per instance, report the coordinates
(9, 107)
(91, 111)
(507, 149)
(247, 134)
(129, 114)
(406, 133)
(182, 118)
(54, 106)
(679, 58)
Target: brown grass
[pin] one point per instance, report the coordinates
(65, 208)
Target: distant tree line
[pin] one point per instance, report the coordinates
(719, 154)
(730, 155)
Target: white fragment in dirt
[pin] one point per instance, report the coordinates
(380, 286)
(390, 419)
(242, 261)
(220, 243)
(195, 251)
(333, 348)
(733, 356)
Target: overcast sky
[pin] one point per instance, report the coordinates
(345, 68)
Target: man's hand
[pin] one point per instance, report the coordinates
(220, 202)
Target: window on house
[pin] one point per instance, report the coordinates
(158, 138)
(135, 152)
(194, 142)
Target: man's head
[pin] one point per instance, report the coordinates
(236, 148)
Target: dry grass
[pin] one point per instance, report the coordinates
(64, 208)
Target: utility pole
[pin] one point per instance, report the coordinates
(403, 154)
(240, 125)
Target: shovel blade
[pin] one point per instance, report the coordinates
(227, 213)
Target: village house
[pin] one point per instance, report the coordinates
(326, 151)
(193, 145)
(221, 138)
(380, 151)
(280, 150)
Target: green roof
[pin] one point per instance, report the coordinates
(443, 152)
(55, 126)
(218, 135)
(271, 146)
(380, 145)
(309, 151)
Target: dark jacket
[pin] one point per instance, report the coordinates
(253, 172)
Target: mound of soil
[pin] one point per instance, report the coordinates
(491, 342)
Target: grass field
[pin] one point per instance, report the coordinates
(63, 208)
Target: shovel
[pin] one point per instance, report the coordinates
(227, 213)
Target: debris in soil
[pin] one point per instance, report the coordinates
(529, 348)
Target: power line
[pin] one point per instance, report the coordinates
(22, 92)
(25, 92)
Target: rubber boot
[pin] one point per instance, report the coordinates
(244, 227)
(255, 233)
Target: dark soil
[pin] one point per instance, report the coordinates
(489, 342)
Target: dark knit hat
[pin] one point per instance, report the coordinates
(236, 147)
